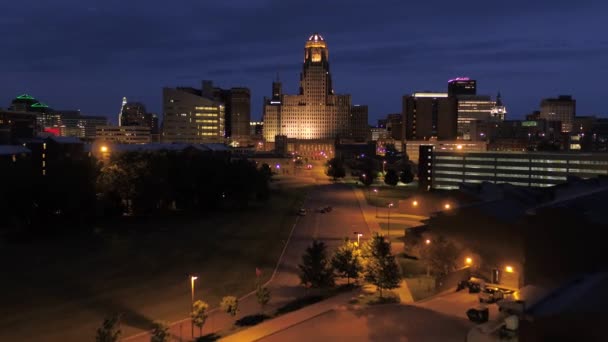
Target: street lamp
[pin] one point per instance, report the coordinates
(427, 241)
(414, 203)
(390, 205)
(103, 149)
(359, 235)
(468, 261)
(509, 269)
(376, 192)
(447, 206)
(192, 279)
(384, 166)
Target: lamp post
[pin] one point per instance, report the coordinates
(376, 192)
(359, 235)
(192, 279)
(390, 205)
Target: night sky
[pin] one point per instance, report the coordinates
(87, 55)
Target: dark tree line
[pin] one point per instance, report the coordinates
(77, 191)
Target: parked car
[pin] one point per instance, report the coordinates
(302, 212)
(491, 295)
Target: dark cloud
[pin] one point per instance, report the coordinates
(88, 54)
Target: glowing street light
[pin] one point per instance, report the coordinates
(427, 241)
(468, 261)
(390, 205)
(192, 279)
(359, 235)
(376, 192)
(509, 269)
(414, 203)
(447, 206)
(103, 149)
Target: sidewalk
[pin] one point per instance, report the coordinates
(288, 320)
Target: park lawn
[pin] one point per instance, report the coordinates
(143, 269)
(387, 194)
(397, 230)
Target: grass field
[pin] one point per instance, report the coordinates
(144, 267)
(386, 194)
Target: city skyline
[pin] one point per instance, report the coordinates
(510, 49)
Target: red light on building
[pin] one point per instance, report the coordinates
(53, 130)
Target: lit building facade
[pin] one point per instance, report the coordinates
(316, 112)
(562, 108)
(189, 117)
(237, 102)
(462, 86)
(447, 170)
(124, 134)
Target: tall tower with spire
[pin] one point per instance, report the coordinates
(122, 107)
(316, 112)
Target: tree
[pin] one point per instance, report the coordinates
(440, 256)
(262, 295)
(347, 261)
(380, 267)
(391, 178)
(109, 330)
(199, 314)
(160, 332)
(406, 176)
(335, 169)
(230, 305)
(315, 269)
(266, 171)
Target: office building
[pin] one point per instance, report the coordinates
(358, 126)
(430, 115)
(447, 170)
(462, 86)
(237, 102)
(316, 112)
(562, 108)
(124, 134)
(412, 147)
(16, 126)
(190, 117)
(256, 128)
(134, 114)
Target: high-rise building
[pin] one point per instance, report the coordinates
(562, 108)
(190, 117)
(430, 115)
(124, 102)
(473, 108)
(462, 86)
(134, 114)
(358, 125)
(316, 112)
(237, 102)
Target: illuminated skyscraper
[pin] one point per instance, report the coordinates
(562, 108)
(316, 112)
(122, 107)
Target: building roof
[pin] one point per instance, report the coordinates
(315, 37)
(12, 149)
(585, 294)
(164, 147)
(65, 140)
